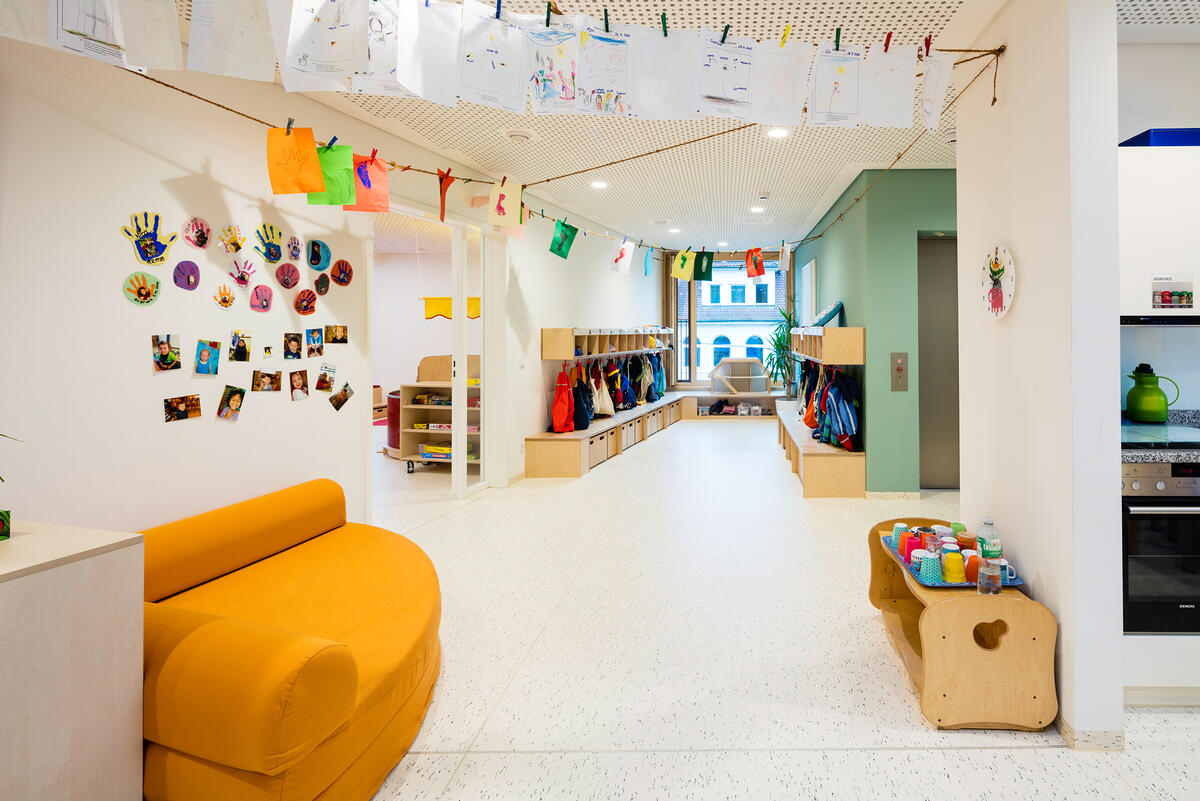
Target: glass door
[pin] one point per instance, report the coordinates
(467, 351)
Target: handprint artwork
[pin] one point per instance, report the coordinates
(342, 273)
(231, 239)
(337, 167)
(224, 296)
(321, 284)
(292, 163)
(187, 275)
(196, 233)
(149, 248)
(306, 302)
(141, 288)
(318, 254)
(260, 298)
(287, 275)
(268, 243)
(293, 248)
(241, 272)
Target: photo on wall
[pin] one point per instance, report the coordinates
(298, 381)
(208, 357)
(267, 350)
(165, 349)
(266, 382)
(239, 346)
(316, 342)
(184, 407)
(325, 377)
(1173, 291)
(339, 398)
(231, 403)
(337, 335)
(292, 346)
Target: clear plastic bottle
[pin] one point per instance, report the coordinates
(991, 550)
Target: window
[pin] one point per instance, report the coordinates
(737, 294)
(760, 293)
(720, 352)
(714, 293)
(753, 352)
(808, 293)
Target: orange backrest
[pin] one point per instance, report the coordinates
(191, 551)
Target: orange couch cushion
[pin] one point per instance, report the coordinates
(191, 551)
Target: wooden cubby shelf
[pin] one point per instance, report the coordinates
(830, 345)
(561, 344)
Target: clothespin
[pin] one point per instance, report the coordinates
(503, 179)
(664, 24)
(374, 150)
(606, 20)
(723, 35)
(887, 42)
(497, 9)
(786, 30)
(330, 145)
(291, 122)
(837, 39)
(547, 13)
(928, 42)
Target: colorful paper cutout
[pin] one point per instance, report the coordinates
(754, 263)
(306, 302)
(342, 273)
(339, 398)
(703, 266)
(224, 296)
(648, 261)
(240, 272)
(370, 185)
(196, 232)
(231, 403)
(319, 254)
(623, 257)
(504, 203)
(442, 307)
(149, 248)
(260, 298)
(231, 239)
(287, 275)
(292, 162)
(187, 275)
(268, 245)
(321, 284)
(184, 407)
(293, 247)
(444, 181)
(683, 265)
(337, 166)
(564, 237)
(141, 288)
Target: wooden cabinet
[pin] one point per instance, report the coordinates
(830, 345)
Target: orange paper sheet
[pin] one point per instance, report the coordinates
(370, 185)
(292, 162)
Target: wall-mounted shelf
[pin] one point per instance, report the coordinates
(567, 344)
(830, 345)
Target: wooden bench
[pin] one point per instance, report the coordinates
(826, 471)
(978, 661)
(573, 453)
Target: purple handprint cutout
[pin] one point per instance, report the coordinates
(287, 275)
(342, 273)
(260, 298)
(293, 248)
(187, 275)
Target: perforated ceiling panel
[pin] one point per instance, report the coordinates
(1158, 12)
(400, 233)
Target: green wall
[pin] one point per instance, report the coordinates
(869, 262)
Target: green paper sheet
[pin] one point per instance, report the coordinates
(337, 167)
(564, 237)
(704, 267)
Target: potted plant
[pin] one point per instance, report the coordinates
(6, 515)
(780, 363)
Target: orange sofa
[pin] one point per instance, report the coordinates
(289, 655)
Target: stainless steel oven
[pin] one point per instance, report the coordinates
(1160, 513)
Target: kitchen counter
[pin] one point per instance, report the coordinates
(1183, 425)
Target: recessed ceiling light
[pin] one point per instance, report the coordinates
(672, 230)
(722, 244)
(519, 136)
(756, 209)
(599, 185)
(777, 133)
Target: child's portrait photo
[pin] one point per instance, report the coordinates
(231, 403)
(239, 346)
(299, 385)
(165, 349)
(208, 357)
(325, 377)
(265, 382)
(339, 398)
(184, 407)
(316, 343)
(337, 335)
(291, 346)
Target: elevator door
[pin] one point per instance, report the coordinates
(937, 307)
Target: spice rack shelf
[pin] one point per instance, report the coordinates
(830, 345)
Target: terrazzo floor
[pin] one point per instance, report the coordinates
(681, 624)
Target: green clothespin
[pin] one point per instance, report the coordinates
(723, 35)
(606, 20)
(837, 39)
(664, 24)
(547, 15)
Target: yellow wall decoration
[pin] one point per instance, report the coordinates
(442, 307)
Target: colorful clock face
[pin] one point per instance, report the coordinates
(998, 282)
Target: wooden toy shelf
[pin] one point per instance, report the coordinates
(404, 446)
(825, 471)
(560, 344)
(978, 661)
(830, 345)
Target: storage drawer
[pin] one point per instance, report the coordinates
(597, 449)
(611, 443)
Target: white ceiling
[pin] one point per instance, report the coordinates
(705, 190)
(401, 233)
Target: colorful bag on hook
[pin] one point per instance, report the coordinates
(562, 413)
(602, 401)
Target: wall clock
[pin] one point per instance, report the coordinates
(998, 281)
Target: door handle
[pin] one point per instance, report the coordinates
(1164, 510)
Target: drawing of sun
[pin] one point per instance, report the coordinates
(841, 70)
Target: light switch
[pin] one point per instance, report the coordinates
(899, 365)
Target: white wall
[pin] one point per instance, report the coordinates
(545, 291)
(86, 145)
(1158, 87)
(1039, 438)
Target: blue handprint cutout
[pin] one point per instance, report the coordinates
(149, 248)
(269, 238)
(293, 248)
(342, 272)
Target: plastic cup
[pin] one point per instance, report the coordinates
(931, 571)
(971, 569)
(953, 571)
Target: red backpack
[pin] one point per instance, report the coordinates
(562, 413)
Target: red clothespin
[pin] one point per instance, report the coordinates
(887, 42)
(374, 150)
(503, 179)
(928, 42)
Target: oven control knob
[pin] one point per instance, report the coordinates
(1160, 486)
(1135, 486)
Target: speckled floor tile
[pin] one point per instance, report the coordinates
(419, 777)
(1162, 753)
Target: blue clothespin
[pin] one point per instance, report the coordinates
(330, 145)
(498, 9)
